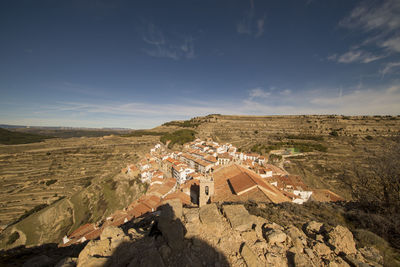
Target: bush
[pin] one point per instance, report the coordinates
(178, 137)
(368, 137)
(306, 137)
(334, 133)
(50, 182)
(189, 123)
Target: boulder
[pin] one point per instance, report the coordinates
(93, 252)
(191, 215)
(312, 228)
(301, 260)
(172, 209)
(238, 217)
(321, 249)
(341, 239)
(209, 214)
(275, 260)
(276, 237)
(249, 257)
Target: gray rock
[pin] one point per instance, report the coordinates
(238, 217)
(276, 237)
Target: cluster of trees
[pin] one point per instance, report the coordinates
(178, 137)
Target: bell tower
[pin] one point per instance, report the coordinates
(206, 190)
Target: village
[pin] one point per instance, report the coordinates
(202, 173)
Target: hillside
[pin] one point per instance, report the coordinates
(41, 173)
(335, 145)
(12, 138)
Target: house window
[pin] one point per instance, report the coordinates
(206, 189)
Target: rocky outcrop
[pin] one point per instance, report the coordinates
(209, 237)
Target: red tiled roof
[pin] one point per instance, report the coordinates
(261, 192)
(184, 198)
(82, 230)
(93, 234)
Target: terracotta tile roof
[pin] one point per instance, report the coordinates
(141, 209)
(210, 158)
(184, 198)
(261, 192)
(94, 234)
(292, 181)
(241, 183)
(82, 230)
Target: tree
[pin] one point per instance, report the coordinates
(378, 180)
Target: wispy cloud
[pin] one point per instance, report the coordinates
(355, 55)
(258, 93)
(389, 68)
(347, 101)
(250, 24)
(381, 20)
(173, 48)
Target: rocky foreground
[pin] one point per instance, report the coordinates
(218, 236)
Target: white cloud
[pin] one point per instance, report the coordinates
(286, 92)
(251, 25)
(392, 44)
(165, 48)
(260, 27)
(356, 55)
(389, 68)
(258, 93)
(381, 20)
(370, 101)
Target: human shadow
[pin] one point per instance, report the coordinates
(155, 239)
(159, 240)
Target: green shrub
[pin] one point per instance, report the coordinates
(306, 137)
(50, 182)
(11, 138)
(368, 137)
(188, 123)
(178, 137)
(334, 133)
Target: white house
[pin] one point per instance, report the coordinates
(180, 172)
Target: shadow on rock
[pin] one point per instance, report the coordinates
(156, 240)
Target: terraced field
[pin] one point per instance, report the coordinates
(41, 173)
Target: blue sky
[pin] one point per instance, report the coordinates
(137, 64)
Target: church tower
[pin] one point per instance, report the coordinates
(206, 190)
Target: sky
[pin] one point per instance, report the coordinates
(137, 64)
